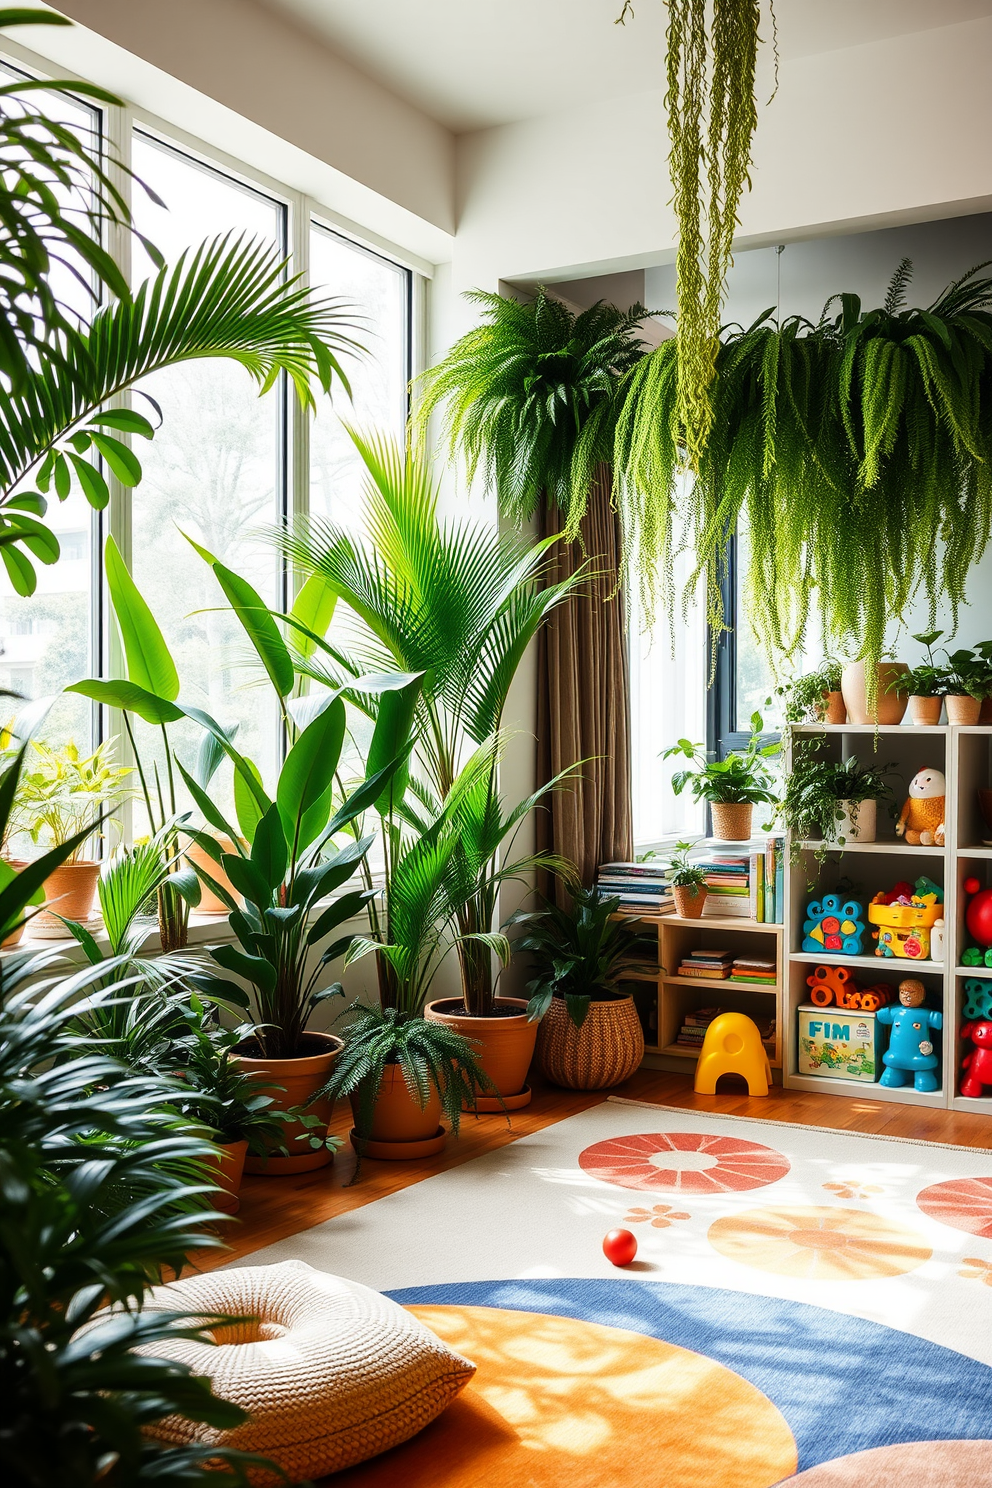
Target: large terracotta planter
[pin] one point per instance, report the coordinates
(505, 1048)
(290, 1083)
(689, 900)
(835, 709)
(401, 1128)
(858, 822)
(890, 707)
(209, 903)
(70, 892)
(925, 710)
(605, 1051)
(962, 709)
(732, 820)
(230, 1168)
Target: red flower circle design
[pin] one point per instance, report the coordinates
(962, 1203)
(691, 1162)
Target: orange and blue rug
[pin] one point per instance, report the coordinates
(807, 1306)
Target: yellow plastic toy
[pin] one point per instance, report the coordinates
(733, 1046)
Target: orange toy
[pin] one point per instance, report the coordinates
(733, 1046)
(834, 985)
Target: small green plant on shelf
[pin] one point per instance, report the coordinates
(681, 873)
(970, 673)
(61, 792)
(928, 679)
(818, 793)
(743, 778)
(805, 697)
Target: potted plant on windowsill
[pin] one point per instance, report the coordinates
(834, 802)
(815, 697)
(590, 1036)
(733, 786)
(688, 883)
(926, 685)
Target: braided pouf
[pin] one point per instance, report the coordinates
(331, 1373)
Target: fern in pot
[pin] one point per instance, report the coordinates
(834, 802)
(815, 697)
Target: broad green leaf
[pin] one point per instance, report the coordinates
(122, 461)
(306, 781)
(390, 741)
(247, 807)
(29, 501)
(206, 805)
(256, 618)
(130, 698)
(314, 609)
(253, 968)
(268, 848)
(20, 569)
(95, 488)
(124, 419)
(244, 769)
(149, 663)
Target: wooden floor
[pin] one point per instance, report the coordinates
(275, 1208)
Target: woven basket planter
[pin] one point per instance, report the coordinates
(606, 1050)
(732, 820)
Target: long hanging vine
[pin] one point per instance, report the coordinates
(712, 117)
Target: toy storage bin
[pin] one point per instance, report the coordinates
(841, 1043)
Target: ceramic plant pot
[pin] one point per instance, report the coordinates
(209, 903)
(835, 709)
(858, 821)
(504, 1048)
(890, 706)
(732, 820)
(925, 710)
(962, 709)
(400, 1127)
(230, 1169)
(605, 1051)
(689, 900)
(291, 1083)
(70, 892)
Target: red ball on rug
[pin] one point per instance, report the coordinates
(620, 1247)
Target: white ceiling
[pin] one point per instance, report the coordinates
(475, 63)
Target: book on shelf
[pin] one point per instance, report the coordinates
(726, 906)
(706, 973)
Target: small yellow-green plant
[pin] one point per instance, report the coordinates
(62, 791)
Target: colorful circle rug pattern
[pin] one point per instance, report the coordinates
(558, 1400)
(946, 1464)
(962, 1203)
(691, 1162)
(819, 1244)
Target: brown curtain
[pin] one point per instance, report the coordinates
(583, 697)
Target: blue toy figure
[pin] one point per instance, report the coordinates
(911, 1051)
(834, 926)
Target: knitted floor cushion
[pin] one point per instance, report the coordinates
(331, 1373)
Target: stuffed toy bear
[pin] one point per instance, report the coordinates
(921, 820)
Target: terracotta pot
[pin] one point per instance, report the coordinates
(985, 716)
(505, 1048)
(890, 706)
(732, 820)
(209, 903)
(606, 1050)
(70, 892)
(230, 1168)
(835, 710)
(400, 1127)
(925, 710)
(858, 822)
(962, 709)
(293, 1082)
(689, 900)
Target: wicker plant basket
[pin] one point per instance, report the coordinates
(604, 1051)
(732, 820)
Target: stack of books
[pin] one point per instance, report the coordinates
(728, 878)
(642, 888)
(694, 1027)
(754, 969)
(710, 965)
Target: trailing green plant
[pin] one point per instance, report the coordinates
(926, 680)
(711, 53)
(681, 873)
(856, 451)
(529, 396)
(61, 792)
(816, 790)
(805, 696)
(742, 777)
(579, 954)
(431, 1056)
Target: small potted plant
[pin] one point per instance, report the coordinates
(926, 685)
(733, 786)
(834, 802)
(401, 1074)
(815, 697)
(688, 883)
(60, 793)
(590, 1035)
(969, 684)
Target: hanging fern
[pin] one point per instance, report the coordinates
(857, 452)
(530, 396)
(711, 121)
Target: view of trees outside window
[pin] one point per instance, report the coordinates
(377, 293)
(214, 471)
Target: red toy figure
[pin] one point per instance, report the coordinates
(977, 1061)
(978, 915)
